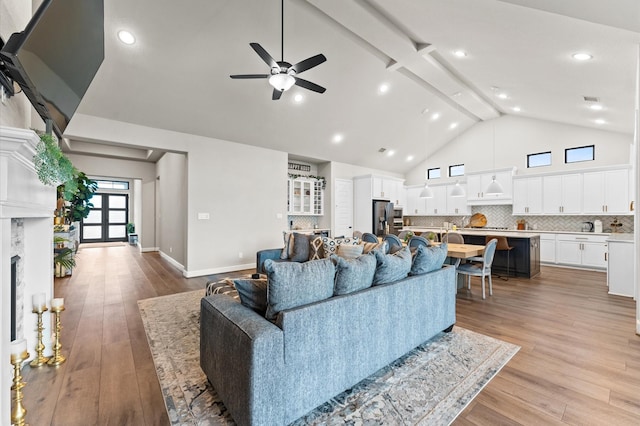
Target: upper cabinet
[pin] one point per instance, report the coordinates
(606, 192)
(527, 195)
(442, 204)
(415, 206)
(305, 197)
(387, 188)
(562, 194)
(477, 183)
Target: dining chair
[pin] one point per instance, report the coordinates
(369, 237)
(502, 245)
(393, 242)
(357, 234)
(480, 269)
(453, 237)
(416, 241)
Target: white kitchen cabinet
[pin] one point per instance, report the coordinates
(415, 206)
(548, 248)
(582, 250)
(305, 197)
(620, 268)
(477, 183)
(387, 188)
(562, 194)
(457, 206)
(606, 192)
(527, 195)
(437, 206)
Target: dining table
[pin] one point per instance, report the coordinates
(463, 251)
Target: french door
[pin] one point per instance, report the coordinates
(107, 220)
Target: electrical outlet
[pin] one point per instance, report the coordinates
(203, 216)
(240, 255)
(278, 215)
(170, 249)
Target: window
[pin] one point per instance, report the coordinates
(539, 159)
(581, 153)
(433, 173)
(456, 170)
(112, 184)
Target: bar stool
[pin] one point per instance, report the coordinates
(502, 245)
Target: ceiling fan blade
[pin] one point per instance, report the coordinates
(308, 63)
(250, 76)
(264, 55)
(309, 85)
(276, 94)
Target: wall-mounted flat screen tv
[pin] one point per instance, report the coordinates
(57, 55)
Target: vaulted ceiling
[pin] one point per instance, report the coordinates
(176, 75)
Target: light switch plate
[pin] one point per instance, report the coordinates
(203, 216)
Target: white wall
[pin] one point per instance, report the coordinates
(515, 137)
(171, 172)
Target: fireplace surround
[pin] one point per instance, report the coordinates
(26, 230)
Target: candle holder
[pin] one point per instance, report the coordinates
(57, 357)
(18, 412)
(40, 359)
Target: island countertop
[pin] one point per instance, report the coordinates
(476, 231)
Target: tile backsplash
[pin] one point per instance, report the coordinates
(303, 222)
(502, 216)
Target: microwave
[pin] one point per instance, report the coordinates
(397, 213)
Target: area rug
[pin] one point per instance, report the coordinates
(430, 385)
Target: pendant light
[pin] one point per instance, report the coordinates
(457, 190)
(494, 187)
(426, 191)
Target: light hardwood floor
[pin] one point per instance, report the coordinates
(579, 363)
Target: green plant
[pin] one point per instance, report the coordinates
(65, 258)
(408, 236)
(131, 228)
(431, 236)
(52, 166)
(78, 192)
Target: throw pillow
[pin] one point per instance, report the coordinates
(330, 245)
(300, 244)
(369, 247)
(295, 284)
(286, 251)
(353, 274)
(428, 259)
(253, 294)
(224, 286)
(392, 267)
(349, 251)
(316, 250)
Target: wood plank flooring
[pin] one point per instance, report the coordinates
(579, 363)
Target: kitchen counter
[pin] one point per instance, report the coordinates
(507, 232)
(621, 238)
(477, 231)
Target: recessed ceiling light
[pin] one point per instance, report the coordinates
(337, 138)
(298, 98)
(426, 110)
(390, 153)
(502, 95)
(600, 121)
(410, 158)
(453, 125)
(435, 116)
(596, 107)
(516, 108)
(581, 56)
(126, 37)
(383, 88)
(460, 53)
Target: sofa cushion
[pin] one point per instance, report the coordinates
(427, 259)
(353, 274)
(253, 293)
(300, 252)
(295, 284)
(392, 267)
(330, 245)
(349, 251)
(316, 249)
(368, 247)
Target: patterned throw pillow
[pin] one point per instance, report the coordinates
(369, 247)
(349, 251)
(316, 250)
(300, 252)
(253, 294)
(330, 245)
(354, 274)
(392, 267)
(294, 284)
(427, 259)
(223, 286)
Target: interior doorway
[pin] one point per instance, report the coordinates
(107, 220)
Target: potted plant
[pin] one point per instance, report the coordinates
(64, 259)
(52, 166)
(78, 192)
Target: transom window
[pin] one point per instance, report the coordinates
(456, 170)
(433, 173)
(581, 153)
(112, 184)
(539, 159)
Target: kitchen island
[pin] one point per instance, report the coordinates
(524, 259)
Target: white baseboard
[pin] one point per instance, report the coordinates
(147, 249)
(233, 268)
(172, 261)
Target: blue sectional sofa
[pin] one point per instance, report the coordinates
(272, 373)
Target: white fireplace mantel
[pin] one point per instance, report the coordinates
(23, 196)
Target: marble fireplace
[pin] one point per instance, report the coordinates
(26, 245)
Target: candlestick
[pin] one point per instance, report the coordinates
(57, 357)
(40, 359)
(57, 303)
(38, 302)
(18, 354)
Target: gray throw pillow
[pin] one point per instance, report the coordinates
(428, 259)
(353, 274)
(253, 294)
(295, 284)
(300, 247)
(392, 267)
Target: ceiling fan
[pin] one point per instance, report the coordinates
(284, 75)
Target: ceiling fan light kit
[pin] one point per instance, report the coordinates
(283, 74)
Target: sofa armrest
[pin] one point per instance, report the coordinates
(242, 355)
(262, 255)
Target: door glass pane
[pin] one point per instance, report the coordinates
(95, 216)
(91, 232)
(117, 202)
(117, 231)
(117, 216)
(96, 200)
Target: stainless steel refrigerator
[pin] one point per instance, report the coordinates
(382, 217)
